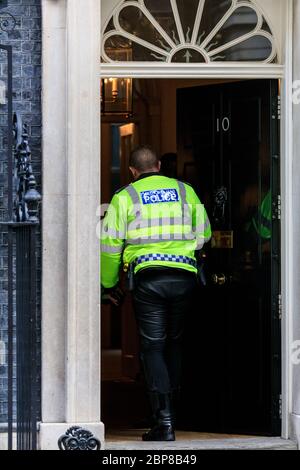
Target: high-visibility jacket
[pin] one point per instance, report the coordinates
(155, 215)
(263, 220)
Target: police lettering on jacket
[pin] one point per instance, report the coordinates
(159, 195)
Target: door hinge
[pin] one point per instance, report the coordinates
(276, 108)
(279, 107)
(280, 406)
(279, 306)
(277, 208)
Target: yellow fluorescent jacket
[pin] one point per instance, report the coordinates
(154, 215)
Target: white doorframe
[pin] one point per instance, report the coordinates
(287, 248)
(250, 71)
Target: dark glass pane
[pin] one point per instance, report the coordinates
(241, 22)
(257, 48)
(133, 21)
(213, 12)
(275, 60)
(110, 26)
(266, 27)
(187, 11)
(122, 49)
(163, 13)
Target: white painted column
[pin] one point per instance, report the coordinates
(296, 210)
(83, 97)
(54, 212)
(71, 316)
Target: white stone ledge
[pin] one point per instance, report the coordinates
(227, 70)
(296, 427)
(51, 432)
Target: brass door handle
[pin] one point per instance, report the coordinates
(219, 279)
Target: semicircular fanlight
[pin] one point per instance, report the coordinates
(196, 31)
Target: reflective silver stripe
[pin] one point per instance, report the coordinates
(159, 239)
(207, 223)
(201, 242)
(199, 229)
(182, 190)
(110, 232)
(184, 204)
(111, 249)
(159, 222)
(199, 245)
(202, 227)
(133, 194)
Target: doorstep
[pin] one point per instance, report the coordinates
(184, 442)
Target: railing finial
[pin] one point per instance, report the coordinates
(26, 204)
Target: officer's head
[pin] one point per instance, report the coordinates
(143, 160)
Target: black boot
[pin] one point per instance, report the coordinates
(163, 430)
(154, 405)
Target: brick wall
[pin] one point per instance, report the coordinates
(25, 39)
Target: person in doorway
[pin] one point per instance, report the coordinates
(262, 221)
(155, 224)
(259, 226)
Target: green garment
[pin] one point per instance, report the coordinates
(153, 215)
(263, 220)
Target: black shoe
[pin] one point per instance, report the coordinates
(160, 432)
(162, 414)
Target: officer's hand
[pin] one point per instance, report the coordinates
(115, 296)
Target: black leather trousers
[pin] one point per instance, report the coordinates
(161, 299)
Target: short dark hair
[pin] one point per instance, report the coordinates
(143, 158)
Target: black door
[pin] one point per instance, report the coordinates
(229, 150)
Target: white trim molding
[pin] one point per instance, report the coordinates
(238, 70)
(294, 329)
(287, 224)
(214, 70)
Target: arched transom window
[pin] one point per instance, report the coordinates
(195, 31)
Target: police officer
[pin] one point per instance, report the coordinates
(155, 224)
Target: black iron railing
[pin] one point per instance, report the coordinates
(7, 154)
(23, 227)
(19, 373)
(22, 312)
